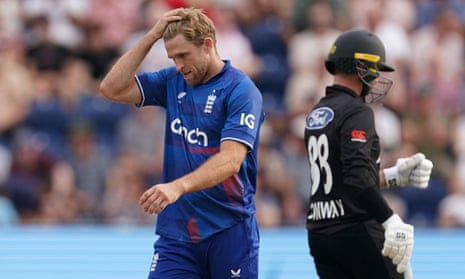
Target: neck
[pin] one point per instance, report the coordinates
(215, 67)
(350, 81)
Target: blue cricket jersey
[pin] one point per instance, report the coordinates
(228, 107)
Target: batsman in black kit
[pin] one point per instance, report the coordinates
(352, 231)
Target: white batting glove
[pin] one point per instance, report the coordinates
(414, 170)
(398, 243)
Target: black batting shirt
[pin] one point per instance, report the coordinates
(343, 151)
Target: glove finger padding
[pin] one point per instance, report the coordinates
(420, 175)
(403, 265)
(394, 252)
(387, 249)
(396, 259)
(407, 164)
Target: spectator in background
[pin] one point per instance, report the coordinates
(296, 161)
(95, 50)
(140, 134)
(46, 60)
(232, 43)
(43, 53)
(69, 95)
(277, 199)
(427, 10)
(451, 209)
(157, 58)
(118, 19)
(10, 19)
(428, 118)
(63, 17)
(90, 165)
(300, 14)
(35, 173)
(438, 52)
(8, 213)
(16, 87)
(307, 52)
(124, 183)
(62, 203)
(45, 115)
(267, 33)
(205, 5)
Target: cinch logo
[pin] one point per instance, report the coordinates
(194, 136)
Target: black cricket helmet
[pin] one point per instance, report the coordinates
(361, 52)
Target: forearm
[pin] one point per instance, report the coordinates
(119, 81)
(374, 203)
(217, 169)
(382, 180)
(212, 172)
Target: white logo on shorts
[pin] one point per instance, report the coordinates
(154, 262)
(235, 273)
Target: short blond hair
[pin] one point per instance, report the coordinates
(195, 26)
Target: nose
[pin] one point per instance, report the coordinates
(179, 66)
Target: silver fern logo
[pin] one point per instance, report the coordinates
(210, 101)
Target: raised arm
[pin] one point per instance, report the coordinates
(410, 171)
(119, 84)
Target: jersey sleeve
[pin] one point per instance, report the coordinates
(360, 149)
(245, 114)
(153, 87)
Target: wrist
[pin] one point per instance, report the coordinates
(394, 219)
(391, 177)
(182, 186)
(151, 38)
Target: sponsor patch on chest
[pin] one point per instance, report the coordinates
(319, 118)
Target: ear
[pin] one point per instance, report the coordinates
(209, 43)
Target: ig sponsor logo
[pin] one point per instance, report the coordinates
(248, 120)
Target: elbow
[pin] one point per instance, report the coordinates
(119, 92)
(233, 156)
(236, 167)
(105, 89)
(236, 163)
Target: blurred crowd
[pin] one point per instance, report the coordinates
(69, 156)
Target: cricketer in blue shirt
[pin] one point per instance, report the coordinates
(205, 204)
(228, 107)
